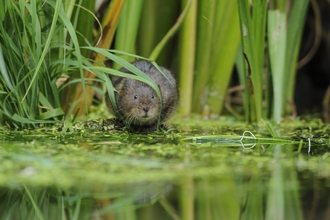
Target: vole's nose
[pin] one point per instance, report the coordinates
(146, 109)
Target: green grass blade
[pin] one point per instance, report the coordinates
(144, 79)
(52, 114)
(272, 130)
(111, 92)
(277, 45)
(123, 63)
(156, 51)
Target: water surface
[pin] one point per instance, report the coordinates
(199, 170)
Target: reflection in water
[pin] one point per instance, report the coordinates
(276, 195)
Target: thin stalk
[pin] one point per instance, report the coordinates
(153, 27)
(127, 28)
(187, 16)
(205, 26)
(187, 58)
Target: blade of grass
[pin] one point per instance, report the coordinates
(272, 131)
(153, 23)
(156, 51)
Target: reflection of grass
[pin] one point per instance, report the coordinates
(210, 197)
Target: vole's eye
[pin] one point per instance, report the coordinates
(152, 96)
(136, 97)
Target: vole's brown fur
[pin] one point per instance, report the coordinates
(138, 104)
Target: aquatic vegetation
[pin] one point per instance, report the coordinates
(68, 167)
(93, 171)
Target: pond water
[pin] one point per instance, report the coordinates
(199, 170)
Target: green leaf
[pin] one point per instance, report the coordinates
(277, 55)
(52, 113)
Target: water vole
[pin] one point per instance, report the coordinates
(138, 104)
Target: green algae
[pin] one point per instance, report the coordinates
(94, 162)
(92, 154)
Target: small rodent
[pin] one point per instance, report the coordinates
(138, 104)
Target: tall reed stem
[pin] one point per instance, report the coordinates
(187, 58)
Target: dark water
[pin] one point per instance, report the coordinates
(201, 171)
